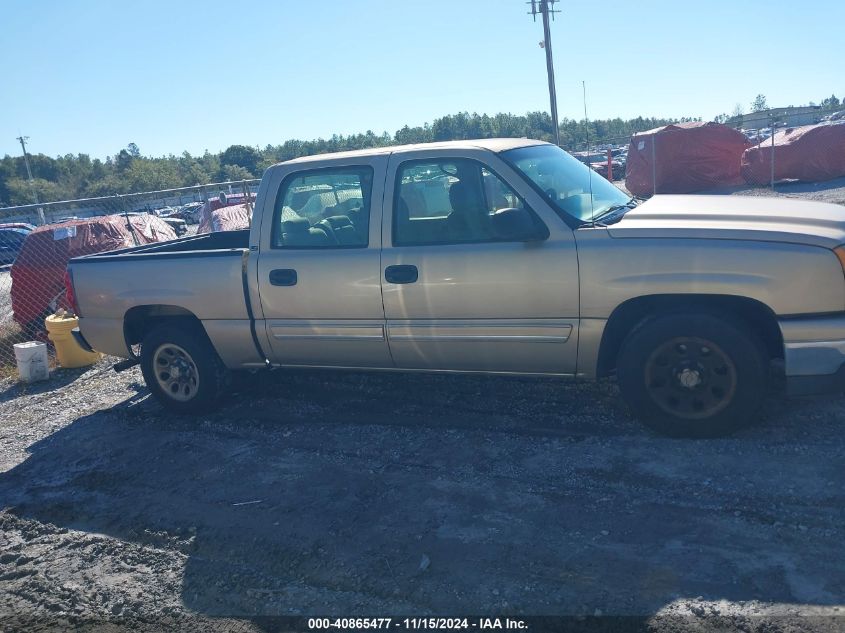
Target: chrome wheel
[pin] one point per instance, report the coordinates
(176, 372)
(690, 378)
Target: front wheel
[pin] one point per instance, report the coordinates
(693, 375)
(181, 369)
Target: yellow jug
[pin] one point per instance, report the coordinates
(69, 353)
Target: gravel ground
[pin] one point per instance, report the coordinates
(830, 191)
(377, 494)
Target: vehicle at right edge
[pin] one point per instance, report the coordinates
(503, 256)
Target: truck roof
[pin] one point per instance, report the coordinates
(492, 144)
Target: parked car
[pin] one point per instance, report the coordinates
(189, 212)
(11, 240)
(17, 225)
(179, 226)
(500, 255)
(598, 163)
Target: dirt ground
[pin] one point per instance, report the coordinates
(328, 493)
(377, 494)
(830, 191)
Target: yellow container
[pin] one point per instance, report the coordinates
(67, 349)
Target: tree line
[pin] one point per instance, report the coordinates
(128, 171)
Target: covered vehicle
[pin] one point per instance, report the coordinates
(214, 215)
(811, 153)
(684, 157)
(38, 285)
(231, 218)
(189, 212)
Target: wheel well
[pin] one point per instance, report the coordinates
(140, 320)
(750, 312)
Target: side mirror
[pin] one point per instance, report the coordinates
(516, 225)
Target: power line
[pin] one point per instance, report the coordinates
(546, 9)
(23, 139)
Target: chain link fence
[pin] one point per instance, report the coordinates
(37, 241)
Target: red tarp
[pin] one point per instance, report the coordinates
(38, 272)
(232, 221)
(811, 153)
(224, 219)
(687, 157)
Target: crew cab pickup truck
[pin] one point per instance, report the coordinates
(503, 256)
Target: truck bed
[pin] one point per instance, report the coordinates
(223, 243)
(201, 275)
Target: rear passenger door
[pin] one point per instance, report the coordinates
(318, 267)
(459, 294)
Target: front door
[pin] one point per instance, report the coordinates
(458, 293)
(318, 268)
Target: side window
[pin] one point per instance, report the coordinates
(324, 208)
(453, 201)
(499, 195)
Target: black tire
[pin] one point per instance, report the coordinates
(167, 343)
(693, 375)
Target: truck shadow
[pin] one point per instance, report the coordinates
(350, 494)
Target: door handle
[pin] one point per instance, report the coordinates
(283, 277)
(401, 274)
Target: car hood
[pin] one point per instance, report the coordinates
(760, 218)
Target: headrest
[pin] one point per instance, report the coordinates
(296, 225)
(459, 195)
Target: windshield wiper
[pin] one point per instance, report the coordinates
(601, 218)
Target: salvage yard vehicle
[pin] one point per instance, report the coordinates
(179, 226)
(38, 285)
(502, 256)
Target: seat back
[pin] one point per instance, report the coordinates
(343, 230)
(299, 232)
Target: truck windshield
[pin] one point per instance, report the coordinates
(569, 185)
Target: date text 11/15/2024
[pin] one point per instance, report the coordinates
(417, 623)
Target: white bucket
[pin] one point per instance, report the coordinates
(32, 361)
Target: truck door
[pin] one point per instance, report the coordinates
(459, 293)
(318, 267)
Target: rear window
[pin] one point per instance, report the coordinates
(325, 208)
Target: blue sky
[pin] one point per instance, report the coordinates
(93, 75)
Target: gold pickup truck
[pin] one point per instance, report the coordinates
(503, 256)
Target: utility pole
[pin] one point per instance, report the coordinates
(23, 140)
(546, 8)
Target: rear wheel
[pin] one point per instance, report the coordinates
(181, 369)
(693, 375)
